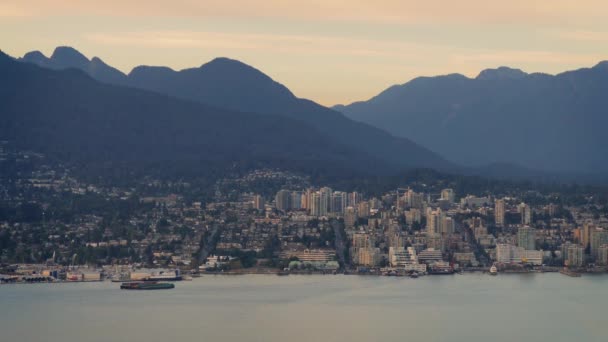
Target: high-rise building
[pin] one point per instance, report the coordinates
(526, 238)
(400, 256)
(350, 217)
(363, 209)
(295, 200)
(432, 222)
(586, 233)
(306, 198)
(324, 200)
(353, 199)
(396, 239)
(598, 238)
(338, 202)
(315, 203)
(448, 195)
(576, 256)
(602, 255)
(499, 212)
(526, 213)
(282, 200)
(413, 216)
(414, 200)
(363, 250)
(258, 202)
(447, 225)
(363, 240)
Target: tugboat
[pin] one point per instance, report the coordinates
(493, 270)
(146, 286)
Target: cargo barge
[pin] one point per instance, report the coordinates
(146, 286)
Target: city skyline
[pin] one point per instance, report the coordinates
(328, 52)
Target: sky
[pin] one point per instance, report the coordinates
(330, 51)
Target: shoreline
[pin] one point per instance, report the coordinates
(565, 272)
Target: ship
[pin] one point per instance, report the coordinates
(493, 270)
(166, 276)
(441, 268)
(146, 286)
(174, 275)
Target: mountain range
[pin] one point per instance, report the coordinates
(504, 123)
(70, 116)
(543, 122)
(234, 86)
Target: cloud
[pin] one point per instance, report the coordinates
(533, 12)
(279, 43)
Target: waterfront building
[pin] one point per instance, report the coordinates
(430, 255)
(368, 257)
(310, 255)
(510, 254)
(602, 255)
(598, 237)
(576, 256)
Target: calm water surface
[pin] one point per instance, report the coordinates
(541, 307)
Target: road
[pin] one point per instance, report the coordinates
(340, 245)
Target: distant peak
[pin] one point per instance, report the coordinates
(227, 66)
(144, 69)
(97, 61)
(501, 73)
(227, 63)
(68, 55)
(4, 56)
(603, 65)
(34, 55)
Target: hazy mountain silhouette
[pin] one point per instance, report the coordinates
(504, 115)
(236, 86)
(71, 116)
(66, 57)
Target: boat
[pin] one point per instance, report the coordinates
(146, 286)
(414, 275)
(570, 273)
(284, 272)
(165, 276)
(493, 270)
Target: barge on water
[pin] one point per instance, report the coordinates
(146, 286)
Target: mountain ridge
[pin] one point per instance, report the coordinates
(538, 121)
(233, 85)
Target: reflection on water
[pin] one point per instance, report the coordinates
(541, 307)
